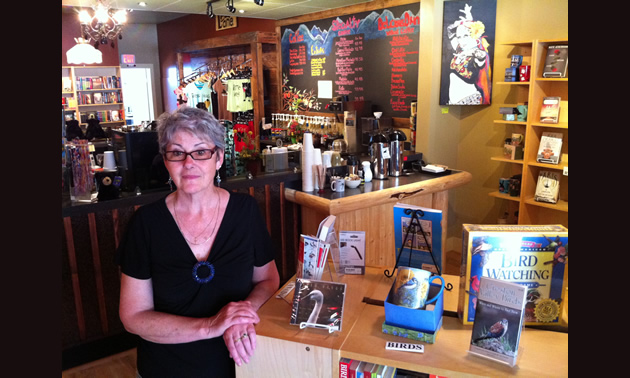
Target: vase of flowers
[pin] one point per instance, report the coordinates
(249, 155)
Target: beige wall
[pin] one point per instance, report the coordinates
(465, 137)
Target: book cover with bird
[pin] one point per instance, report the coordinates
(498, 323)
(535, 256)
(318, 304)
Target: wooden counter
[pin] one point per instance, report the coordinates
(285, 350)
(369, 208)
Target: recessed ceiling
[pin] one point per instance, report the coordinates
(157, 11)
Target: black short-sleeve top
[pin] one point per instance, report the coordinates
(154, 248)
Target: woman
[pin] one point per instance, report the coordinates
(197, 264)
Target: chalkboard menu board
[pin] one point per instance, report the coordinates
(368, 56)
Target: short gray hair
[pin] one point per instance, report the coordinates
(199, 122)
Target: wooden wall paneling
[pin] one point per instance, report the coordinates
(98, 272)
(268, 207)
(76, 287)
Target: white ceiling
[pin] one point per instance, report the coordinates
(158, 11)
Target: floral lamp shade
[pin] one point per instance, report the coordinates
(84, 53)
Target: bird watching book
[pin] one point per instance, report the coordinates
(498, 323)
(318, 304)
(535, 256)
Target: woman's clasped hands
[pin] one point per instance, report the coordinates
(237, 319)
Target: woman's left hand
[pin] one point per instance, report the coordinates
(240, 340)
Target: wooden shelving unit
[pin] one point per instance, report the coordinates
(532, 93)
(72, 75)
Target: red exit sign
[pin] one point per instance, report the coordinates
(128, 58)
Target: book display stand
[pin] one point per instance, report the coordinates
(414, 224)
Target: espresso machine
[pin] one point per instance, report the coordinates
(352, 127)
(379, 156)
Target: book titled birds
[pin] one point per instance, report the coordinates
(418, 240)
(498, 323)
(318, 304)
(531, 255)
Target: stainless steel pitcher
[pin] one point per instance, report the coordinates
(379, 153)
(396, 147)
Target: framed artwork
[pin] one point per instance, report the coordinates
(467, 52)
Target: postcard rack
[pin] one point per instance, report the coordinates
(414, 224)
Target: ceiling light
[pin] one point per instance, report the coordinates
(209, 12)
(104, 25)
(230, 6)
(142, 4)
(84, 53)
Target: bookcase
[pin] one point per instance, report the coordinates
(510, 94)
(94, 90)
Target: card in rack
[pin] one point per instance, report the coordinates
(318, 304)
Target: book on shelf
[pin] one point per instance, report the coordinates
(97, 98)
(66, 84)
(97, 82)
(115, 116)
(344, 367)
(419, 243)
(530, 255)
(389, 372)
(549, 148)
(367, 369)
(556, 61)
(318, 304)
(550, 110)
(352, 371)
(359, 371)
(547, 187)
(499, 320)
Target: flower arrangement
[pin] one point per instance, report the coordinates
(295, 100)
(249, 151)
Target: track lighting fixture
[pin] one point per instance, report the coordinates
(259, 2)
(209, 12)
(230, 6)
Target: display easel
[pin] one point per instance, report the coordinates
(414, 224)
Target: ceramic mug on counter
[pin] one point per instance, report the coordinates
(338, 184)
(411, 288)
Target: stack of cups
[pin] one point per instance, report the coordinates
(108, 161)
(307, 162)
(317, 160)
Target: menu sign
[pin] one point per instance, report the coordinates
(371, 56)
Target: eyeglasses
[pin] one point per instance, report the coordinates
(196, 155)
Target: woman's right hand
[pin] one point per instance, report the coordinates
(231, 314)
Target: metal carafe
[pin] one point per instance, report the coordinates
(379, 153)
(396, 147)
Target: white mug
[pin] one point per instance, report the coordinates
(338, 185)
